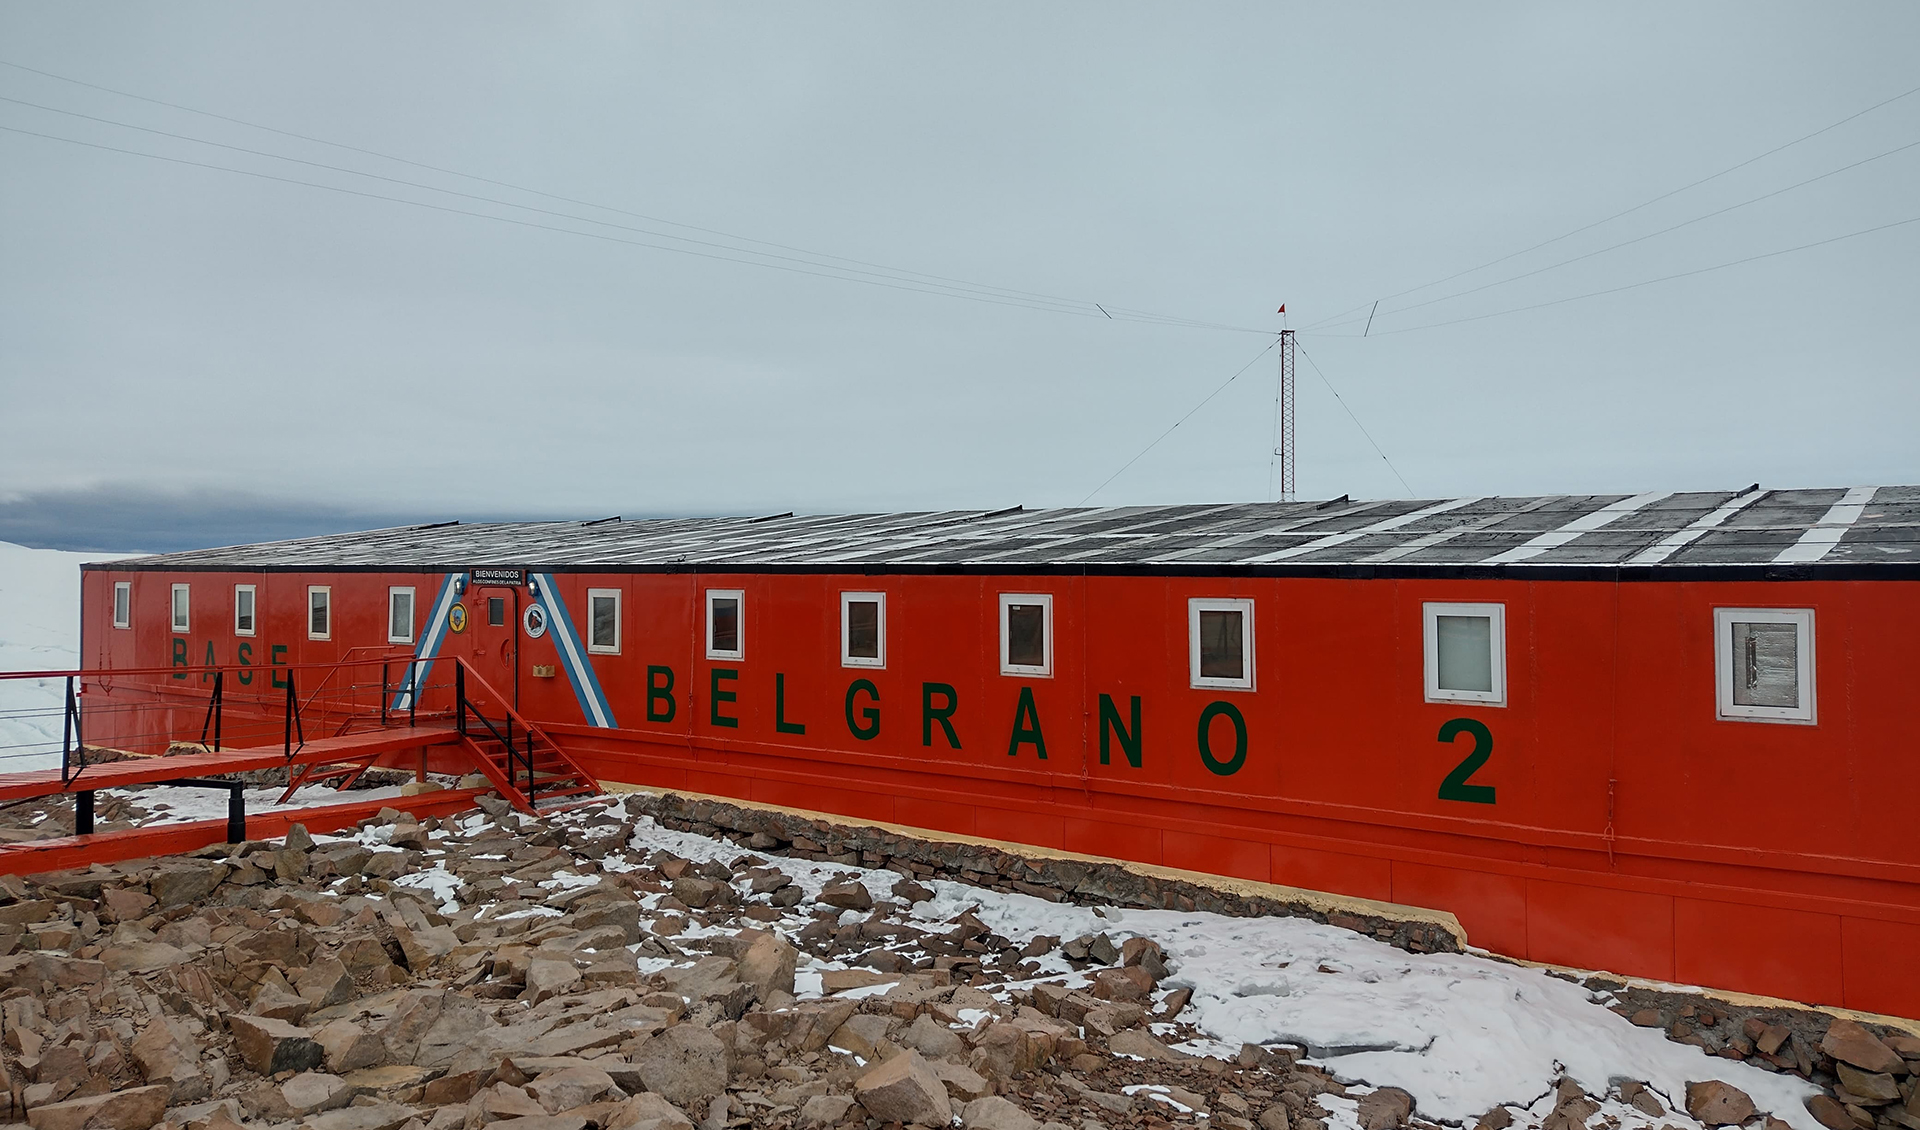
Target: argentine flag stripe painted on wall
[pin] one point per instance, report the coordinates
(430, 640)
(573, 654)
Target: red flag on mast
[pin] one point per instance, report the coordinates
(1282, 310)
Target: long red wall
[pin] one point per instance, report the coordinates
(1631, 830)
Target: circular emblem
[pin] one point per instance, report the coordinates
(457, 618)
(534, 620)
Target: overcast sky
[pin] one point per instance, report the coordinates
(191, 354)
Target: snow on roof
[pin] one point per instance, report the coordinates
(1869, 531)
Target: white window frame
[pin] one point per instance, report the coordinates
(1045, 601)
(253, 610)
(739, 652)
(1726, 709)
(328, 591)
(601, 648)
(847, 658)
(180, 611)
(123, 614)
(1197, 605)
(413, 613)
(1497, 639)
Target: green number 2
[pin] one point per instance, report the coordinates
(1455, 787)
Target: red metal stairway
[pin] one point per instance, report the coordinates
(529, 768)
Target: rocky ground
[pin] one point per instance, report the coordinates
(596, 968)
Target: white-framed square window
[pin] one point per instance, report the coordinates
(1466, 652)
(243, 612)
(1026, 634)
(863, 629)
(400, 614)
(726, 624)
(123, 604)
(182, 599)
(1220, 643)
(319, 612)
(603, 621)
(1763, 664)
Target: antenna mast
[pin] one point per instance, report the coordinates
(1283, 448)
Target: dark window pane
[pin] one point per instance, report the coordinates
(243, 611)
(863, 629)
(496, 611)
(317, 621)
(603, 629)
(1221, 653)
(725, 624)
(401, 626)
(1026, 635)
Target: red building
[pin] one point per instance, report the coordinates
(1667, 735)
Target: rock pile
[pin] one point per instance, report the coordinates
(1047, 877)
(566, 973)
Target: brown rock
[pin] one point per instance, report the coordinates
(1848, 1042)
(133, 1109)
(181, 881)
(271, 1046)
(313, 1091)
(349, 1047)
(825, 1110)
(851, 895)
(647, 1112)
(768, 966)
(1499, 1118)
(548, 977)
(961, 1082)
(905, 1090)
(1131, 983)
(1867, 1088)
(1770, 1039)
(1274, 1118)
(324, 983)
(570, 1087)
(995, 1113)
(1647, 1018)
(1136, 1042)
(1829, 1112)
(683, 1064)
(1385, 1108)
(378, 1116)
(1715, 1103)
(168, 1056)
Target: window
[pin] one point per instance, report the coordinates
(1466, 653)
(243, 610)
(603, 621)
(1026, 634)
(1763, 664)
(181, 595)
(496, 612)
(863, 629)
(319, 612)
(123, 604)
(400, 615)
(723, 624)
(1220, 643)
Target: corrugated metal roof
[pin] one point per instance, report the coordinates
(1856, 527)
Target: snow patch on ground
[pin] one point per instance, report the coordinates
(174, 804)
(1461, 1033)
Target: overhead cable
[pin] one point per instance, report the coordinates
(1628, 211)
(1163, 435)
(932, 283)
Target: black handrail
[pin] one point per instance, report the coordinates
(216, 711)
(293, 723)
(72, 744)
(463, 705)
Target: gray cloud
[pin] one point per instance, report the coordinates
(195, 330)
(123, 517)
